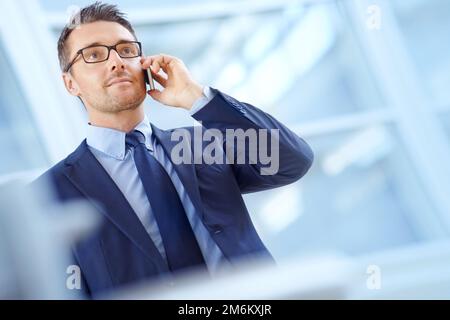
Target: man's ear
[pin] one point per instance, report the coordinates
(71, 84)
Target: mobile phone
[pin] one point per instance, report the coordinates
(149, 79)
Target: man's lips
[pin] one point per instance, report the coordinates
(118, 80)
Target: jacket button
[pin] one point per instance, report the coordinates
(217, 230)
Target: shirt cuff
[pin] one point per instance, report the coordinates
(208, 95)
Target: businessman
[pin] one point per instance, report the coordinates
(159, 217)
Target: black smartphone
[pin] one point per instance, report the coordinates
(149, 79)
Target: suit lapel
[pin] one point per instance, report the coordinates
(88, 175)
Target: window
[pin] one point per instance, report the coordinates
(21, 144)
(425, 25)
(287, 61)
(361, 195)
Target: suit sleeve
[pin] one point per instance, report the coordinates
(295, 157)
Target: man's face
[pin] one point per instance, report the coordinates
(111, 86)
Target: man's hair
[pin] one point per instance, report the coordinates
(95, 12)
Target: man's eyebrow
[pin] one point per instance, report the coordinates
(96, 43)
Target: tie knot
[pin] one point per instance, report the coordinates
(135, 138)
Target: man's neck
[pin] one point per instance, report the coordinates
(124, 121)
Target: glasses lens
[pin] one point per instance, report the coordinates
(95, 54)
(128, 50)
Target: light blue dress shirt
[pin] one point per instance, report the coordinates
(108, 146)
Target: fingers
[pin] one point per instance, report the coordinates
(146, 62)
(165, 59)
(155, 94)
(160, 79)
(161, 61)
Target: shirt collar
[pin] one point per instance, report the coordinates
(112, 142)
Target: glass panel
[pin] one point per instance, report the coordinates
(19, 139)
(298, 64)
(426, 25)
(360, 196)
(445, 116)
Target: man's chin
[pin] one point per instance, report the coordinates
(127, 101)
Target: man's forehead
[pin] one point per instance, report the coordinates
(99, 32)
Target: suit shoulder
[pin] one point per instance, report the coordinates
(187, 128)
(55, 172)
(51, 175)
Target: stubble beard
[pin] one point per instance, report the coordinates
(114, 104)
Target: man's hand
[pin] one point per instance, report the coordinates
(180, 90)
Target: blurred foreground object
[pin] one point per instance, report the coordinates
(416, 272)
(35, 239)
(36, 235)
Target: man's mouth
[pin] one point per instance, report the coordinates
(118, 80)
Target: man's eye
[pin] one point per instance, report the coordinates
(92, 55)
(126, 50)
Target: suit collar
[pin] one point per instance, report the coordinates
(111, 142)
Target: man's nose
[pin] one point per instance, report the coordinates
(115, 61)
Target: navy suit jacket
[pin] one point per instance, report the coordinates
(121, 252)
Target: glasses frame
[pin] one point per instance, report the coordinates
(114, 47)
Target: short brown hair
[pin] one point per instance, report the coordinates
(95, 12)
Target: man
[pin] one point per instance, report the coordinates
(160, 217)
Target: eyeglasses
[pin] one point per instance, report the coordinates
(100, 53)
